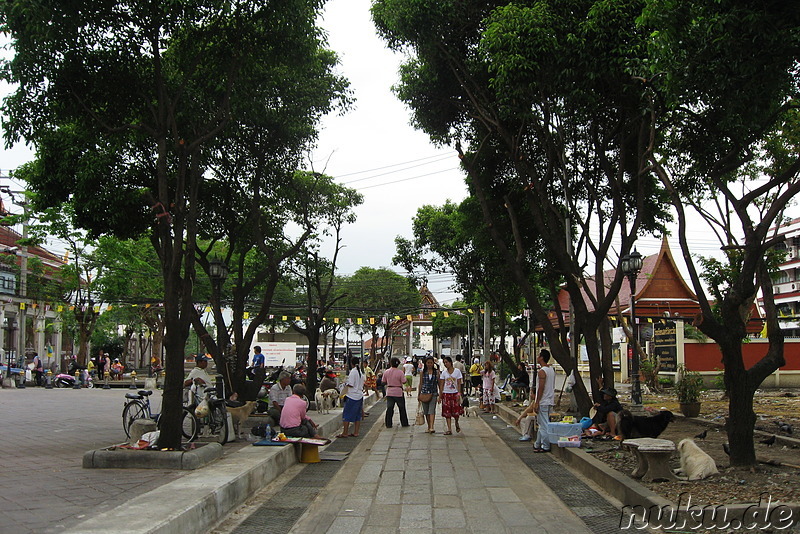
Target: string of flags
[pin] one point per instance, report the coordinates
(347, 321)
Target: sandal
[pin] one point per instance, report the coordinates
(448, 433)
(352, 435)
(458, 428)
(342, 436)
(541, 450)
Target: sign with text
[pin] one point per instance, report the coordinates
(665, 339)
(277, 354)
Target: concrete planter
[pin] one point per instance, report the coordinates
(118, 458)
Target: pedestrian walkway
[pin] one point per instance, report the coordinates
(405, 480)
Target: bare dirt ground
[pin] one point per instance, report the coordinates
(732, 485)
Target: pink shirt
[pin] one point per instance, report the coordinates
(394, 379)
(293, 412)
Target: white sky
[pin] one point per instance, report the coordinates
(374, 135)
(375, 150)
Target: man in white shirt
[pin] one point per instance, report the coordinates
(545, 399)
(197, 380)
(278, 393)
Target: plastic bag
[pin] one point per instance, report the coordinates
(202, 409)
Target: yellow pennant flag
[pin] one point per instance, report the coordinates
(283, 318)
(148, 305)
(359, 321)
(469, 310)
(110, 307)
(335, 320)
(97, 309)
(60, 308)
(71, 308)
(433, 314)
(21, 305)
(446, 314)
(396, 317)
(409, 318)
(245, 315)
(372, 320)
(296, 317)
(208, 309)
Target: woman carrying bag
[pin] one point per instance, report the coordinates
(428, 391)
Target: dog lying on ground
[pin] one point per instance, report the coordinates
(472, 410)
(643, 426)
(239, 415)
(695, 463)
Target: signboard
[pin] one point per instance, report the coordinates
(665, 340)
(277, 354)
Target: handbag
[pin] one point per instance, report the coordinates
(425, 397)
(420, 416)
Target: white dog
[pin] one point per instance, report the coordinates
(319, 400)
(472, 410)
(331, 398)
(326, 400)
(695, 463)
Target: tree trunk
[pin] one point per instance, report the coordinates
(740, 422)
(311, 362)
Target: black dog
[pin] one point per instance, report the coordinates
(642, 426)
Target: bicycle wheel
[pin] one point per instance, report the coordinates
(189, 425)
(133, 410)
(218, 423)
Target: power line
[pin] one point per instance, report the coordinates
(442, 156)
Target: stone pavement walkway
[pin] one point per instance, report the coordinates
(45, 433)
(405, 480)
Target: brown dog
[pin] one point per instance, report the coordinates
(240, 414)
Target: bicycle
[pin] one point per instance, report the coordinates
(215, 423)
(138, 407)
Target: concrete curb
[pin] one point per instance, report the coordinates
(137, 459)
(640, 503)
(202, 498)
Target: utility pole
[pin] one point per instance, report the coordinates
(23, 284)
(486, 331)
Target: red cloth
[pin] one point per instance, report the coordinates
(451, 406)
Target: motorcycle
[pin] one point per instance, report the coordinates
(63, 380)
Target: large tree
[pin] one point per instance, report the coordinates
(123, 101)
(726, 140)
(538, 100)
(252, 232)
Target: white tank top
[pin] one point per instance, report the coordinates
(548, 393)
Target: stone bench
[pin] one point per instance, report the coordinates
(652, 457)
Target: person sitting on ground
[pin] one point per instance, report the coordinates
(197, 381)
(278, 393)
(293, 421)
(606, 416)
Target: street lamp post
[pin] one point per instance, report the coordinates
(631, 265)
(218, 272)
